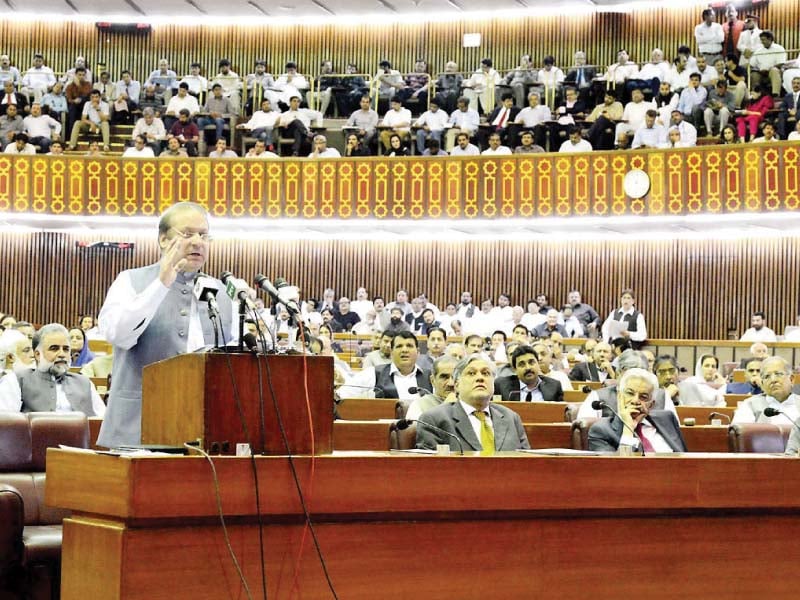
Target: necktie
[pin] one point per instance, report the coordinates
(580, 78)
(503, 118)
(487, 434)
(646, 445)
(529, 396)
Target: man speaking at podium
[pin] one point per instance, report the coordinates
(151, 313)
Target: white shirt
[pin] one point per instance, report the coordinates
(500, 150)
(123, 311)
(532, 116)
(748, 40)
(744, 412)
(94, 114)
(41, 126)
(620, 73)
(10, 396)
(304, 115)
(196, 83)
(362, 383)
(551, 78)
(765, 334)
(156, 129)
(39, 79)
(467, 120)
(709, 38)
(263, 119)
(176, 104)
(399, 120)
(63, 405)
(635, 112)
(133, 152)
(470, 150)
(581, 146)
(327, 153)
(708, 76)
(651, 137)
(12, 149)
(764, 59)
(562, 378)
(653, 70)
(436, 121)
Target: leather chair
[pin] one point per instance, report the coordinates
(403, 439)
(758, 437)
(401, 408)
(580, 433)
(30, 531)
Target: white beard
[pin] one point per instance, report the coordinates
(54, 369)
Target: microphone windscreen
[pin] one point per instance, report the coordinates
(586, 389)
(771, 412)
(598, 405)
(403, 424)
(250, 341)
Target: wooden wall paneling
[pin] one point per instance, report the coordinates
(685, 289)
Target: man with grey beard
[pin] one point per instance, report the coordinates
(51, 387)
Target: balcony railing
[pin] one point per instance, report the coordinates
(744, 178)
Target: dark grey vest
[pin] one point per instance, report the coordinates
(38, 392)
(164, 337)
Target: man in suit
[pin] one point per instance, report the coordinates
(500, 119)
(787, 119)
(638, 425)
(527, 384)
(597, 367)
(476, 422)
(51, 387)
(776, 381)
(396, 378)
(581, 76)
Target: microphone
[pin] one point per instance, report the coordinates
(419, 390)
(251, 342)
(774, 412)
(711, 415)
(289, 294)
(237, 289)
(406, 423)
(587, 389)
(277, 296)
(206, 290)
(601, 404)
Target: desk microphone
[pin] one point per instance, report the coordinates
(237, 289)
(714, 414)
(774, 412)
(251, 342)
(586, 389)
(419, 390)
(406, 423)
(601, 404)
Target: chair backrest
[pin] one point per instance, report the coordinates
(580, 433)
(758, 437)
(49, 430)
(15, 442)
(403, 439)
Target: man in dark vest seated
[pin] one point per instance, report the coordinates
(51, 387)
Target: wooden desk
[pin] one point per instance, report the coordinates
(701, 413)
(732, 400)
(147, 528)
(366, 409)
(706, 438)
(539, 412)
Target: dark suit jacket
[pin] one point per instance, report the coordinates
(22, 103)
(508, 389)
(493, 115)
(509, 434)
(584, 371)
(384, 381)
(589, 73)
(742, 388)
(604, 435)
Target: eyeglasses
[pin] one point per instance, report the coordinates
(187, 235)
(775, 375)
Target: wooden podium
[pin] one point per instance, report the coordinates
(208, 396)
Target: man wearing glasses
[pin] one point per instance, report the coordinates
(151, 314)
(637, 426)
(776, 381)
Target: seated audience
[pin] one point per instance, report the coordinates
(776, 381)
(262, 123)
(20, 145)
(41, 129)
(321, 149)
(758, 332)
(397, 121)
(431, 126)
(707, 385)
(94, 120)
(221, 150)
(575, 143)
(152, 128)
(442, 388)
(185, 131)
(750, 118)
(626, 322)
(11, 124)
(751, 387)
(354, 146)
(219, 110)
(79, 347)
(140, 149)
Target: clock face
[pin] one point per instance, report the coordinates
(636, 183)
